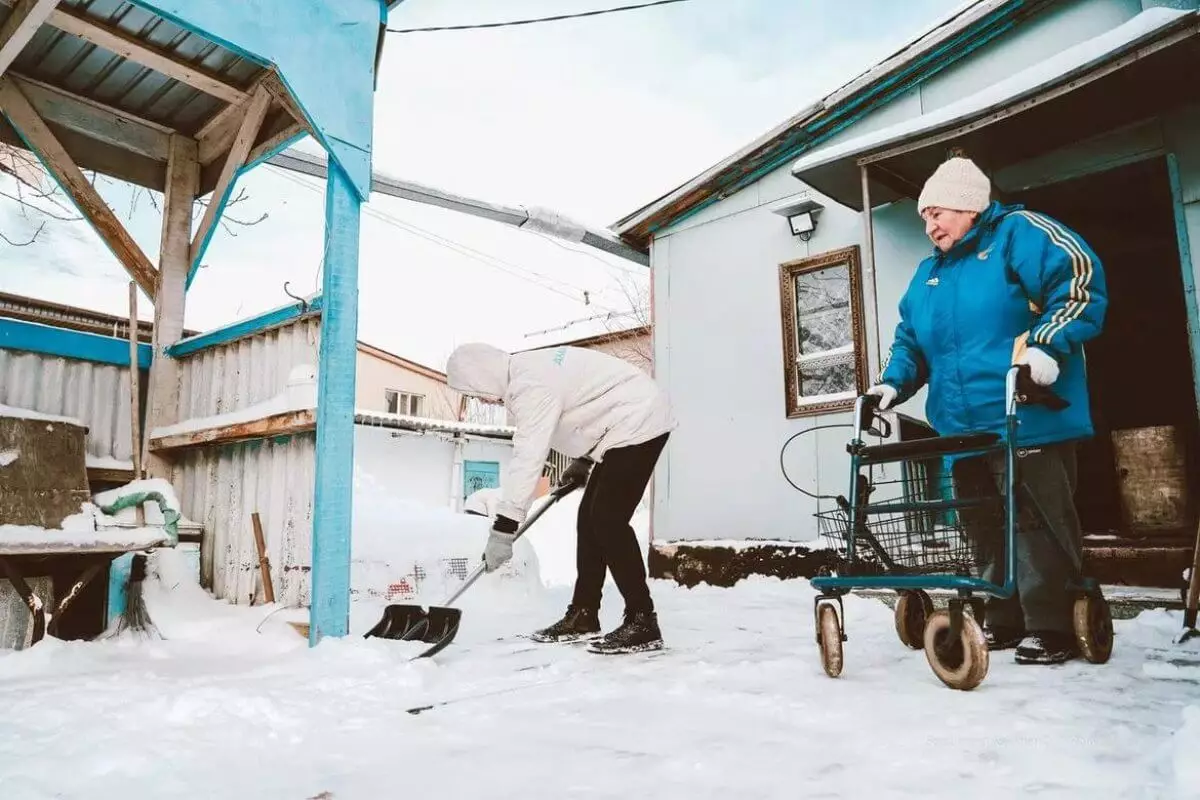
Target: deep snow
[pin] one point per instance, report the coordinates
(738, 707)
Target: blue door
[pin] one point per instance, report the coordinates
(480, 475)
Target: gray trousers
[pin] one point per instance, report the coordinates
(1048, 539)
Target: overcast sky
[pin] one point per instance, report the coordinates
(592, 117)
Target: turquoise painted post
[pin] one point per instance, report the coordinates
(329, 614)
(1190, 300)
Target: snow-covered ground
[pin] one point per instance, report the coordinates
(234, 704)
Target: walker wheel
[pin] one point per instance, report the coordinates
(1094, 628)
(829, 634)
(961, 664)
(913, 608)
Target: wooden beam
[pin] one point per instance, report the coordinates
(95, 120)
(274, 84)
(216, 137)
(56, 159)
(183, 177)
(93, 155)
(22, 23)
(242, 144)
(276, 141)
(285, 424)
(127, 46)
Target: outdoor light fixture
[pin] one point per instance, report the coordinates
(801, 212)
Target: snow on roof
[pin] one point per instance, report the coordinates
(405, 422)
(1004, 92)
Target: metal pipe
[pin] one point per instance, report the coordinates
(547, 222)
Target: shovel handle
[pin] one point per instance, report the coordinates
(558, 494)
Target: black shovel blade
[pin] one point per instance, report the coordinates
(400, 622)
(437, 626)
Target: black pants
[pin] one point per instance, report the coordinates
(1049, 541)
(605, 538)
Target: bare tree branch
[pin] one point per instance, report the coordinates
(32, 239)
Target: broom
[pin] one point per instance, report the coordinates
(136, 616)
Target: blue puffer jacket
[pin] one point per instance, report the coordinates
(1017, 278)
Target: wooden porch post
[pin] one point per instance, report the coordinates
(329, 613)
(870, 300)
(182, 184)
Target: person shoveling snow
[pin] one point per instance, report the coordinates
(614, 421)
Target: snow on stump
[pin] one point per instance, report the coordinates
(43, 470)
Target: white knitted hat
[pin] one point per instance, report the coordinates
(957, 184)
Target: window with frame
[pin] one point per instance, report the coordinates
(824, 353)
(407, 403)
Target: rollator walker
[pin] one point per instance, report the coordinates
(921, 534)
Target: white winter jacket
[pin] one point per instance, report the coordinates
(576, 401)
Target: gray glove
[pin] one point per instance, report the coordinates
(499, 547)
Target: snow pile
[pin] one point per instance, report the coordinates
(1185, 745)
(89, 529)
(7, 457)
(153, 514)
(404, 551)
(246, 709)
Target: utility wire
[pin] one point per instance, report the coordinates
(533, 21)
(527, 275)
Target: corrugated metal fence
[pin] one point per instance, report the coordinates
(95, 394)
(221, 486)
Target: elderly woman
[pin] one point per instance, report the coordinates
(1005, 286)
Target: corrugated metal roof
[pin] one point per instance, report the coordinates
(85, 69)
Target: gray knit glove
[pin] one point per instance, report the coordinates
(500, 543)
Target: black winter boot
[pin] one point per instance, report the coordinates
(638, 633)
(1001, 638)
(1046, 647)
(578, 623)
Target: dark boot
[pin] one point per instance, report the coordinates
(1046, 647)
(578, 623)
(638, 633)
(1000, 638)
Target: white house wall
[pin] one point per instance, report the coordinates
(718, 336)
(419, 467)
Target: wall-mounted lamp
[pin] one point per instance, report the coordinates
(801, 212)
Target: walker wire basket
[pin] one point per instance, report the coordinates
(937, 518)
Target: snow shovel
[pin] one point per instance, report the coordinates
(439, 625)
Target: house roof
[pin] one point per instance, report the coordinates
(401, 361)
(114, 80)
(60, 315)
(965, 29)
(430, 425)
(1046, 101)
(595, 339)
(590, 331)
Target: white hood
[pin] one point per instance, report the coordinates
(478, 370)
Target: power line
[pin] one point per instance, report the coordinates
(529, 276)
(557, 18)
